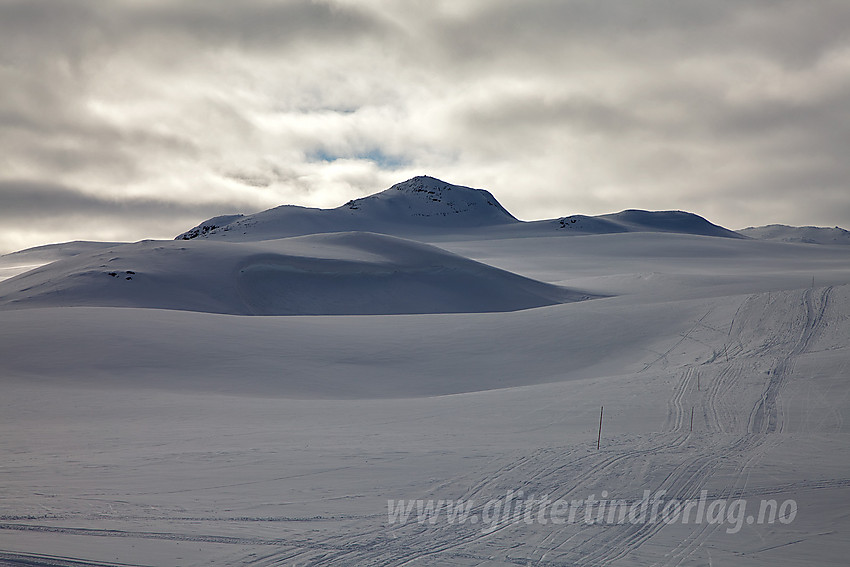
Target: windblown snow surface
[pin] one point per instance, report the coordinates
(138, 436)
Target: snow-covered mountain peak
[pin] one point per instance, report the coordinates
(419, 204)
(428, 197)
(421, 183)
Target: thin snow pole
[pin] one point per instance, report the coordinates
(599, 437)
(692, 418)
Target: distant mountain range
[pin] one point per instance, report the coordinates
(425, 205)
(349, 260)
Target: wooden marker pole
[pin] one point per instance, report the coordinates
(599, 437)
(692, 418)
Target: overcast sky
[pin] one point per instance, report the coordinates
(125, 120)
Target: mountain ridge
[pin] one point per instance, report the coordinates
(798, 234)
(420, 203)
(423, 203)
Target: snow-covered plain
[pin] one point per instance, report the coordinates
(134, 435)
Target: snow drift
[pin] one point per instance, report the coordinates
(636, 220)
(326, 274)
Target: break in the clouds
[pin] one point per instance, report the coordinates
(134, 119)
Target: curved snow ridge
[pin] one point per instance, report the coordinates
(637, 220)
(352, 273)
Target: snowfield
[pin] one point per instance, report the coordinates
(169, 424)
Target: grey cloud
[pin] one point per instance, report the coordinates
(537, 111)
(39, 201)
(824, 122)
(34, 213)
(257, 23)
(35, 30)
(614, 104)
(794, 32)
(71, 148)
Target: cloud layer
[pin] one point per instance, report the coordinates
(139, 118)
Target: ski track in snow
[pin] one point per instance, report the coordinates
(550, 467)
(684, 482)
